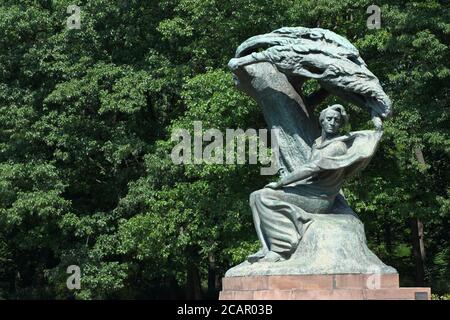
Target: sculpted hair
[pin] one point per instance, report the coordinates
(336, 107)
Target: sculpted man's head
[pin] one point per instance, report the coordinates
(332, 119)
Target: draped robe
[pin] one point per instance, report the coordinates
(282, 216)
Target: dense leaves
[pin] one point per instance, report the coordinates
(86, 119)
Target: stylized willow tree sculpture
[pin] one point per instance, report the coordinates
(272, 68)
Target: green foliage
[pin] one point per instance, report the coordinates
(86, 176)
(438, 297)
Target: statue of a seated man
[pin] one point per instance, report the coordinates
(283, 210)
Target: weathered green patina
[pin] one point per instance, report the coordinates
(303, 220)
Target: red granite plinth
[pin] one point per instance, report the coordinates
(320, 287)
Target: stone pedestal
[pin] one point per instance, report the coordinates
(320, 287)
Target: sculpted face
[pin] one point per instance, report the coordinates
(331, 122)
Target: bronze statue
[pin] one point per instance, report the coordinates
(303, 221)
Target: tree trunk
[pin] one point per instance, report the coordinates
(212, 276)
(193, 284)
(418, 250)
(387, 233)
(417, 237)
(173, 285)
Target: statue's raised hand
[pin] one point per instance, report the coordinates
(376, 119)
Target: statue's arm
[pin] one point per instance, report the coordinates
(311, 168)
(302, 173)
